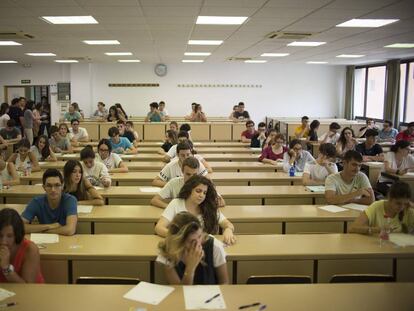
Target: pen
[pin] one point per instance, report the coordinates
(250, 305)
(262, 307)
(210, 299)
(10, 304)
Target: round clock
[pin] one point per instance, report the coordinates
(160, 70)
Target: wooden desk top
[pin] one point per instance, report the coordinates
(219, 144)
(321, 297)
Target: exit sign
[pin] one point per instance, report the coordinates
(25, 81)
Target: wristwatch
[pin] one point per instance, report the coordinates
(8, 270)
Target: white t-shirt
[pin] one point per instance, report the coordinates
(178, 205)
(96, 173)
(82, 133)
(330, 140)
(406, 163)
(35, 151)
(318, 172)
(173, 169)
(172, 188)
(3, 120)
(219, 255)
(335, 183)
(111, 162)
(172, 153)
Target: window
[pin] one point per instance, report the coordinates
(403, 76)
(359, 91)
(407, 92)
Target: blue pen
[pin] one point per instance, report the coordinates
(210, 299)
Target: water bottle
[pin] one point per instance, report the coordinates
(385, 230)
(292, 170)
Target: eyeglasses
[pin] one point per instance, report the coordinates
(51, 186)
(103, 150)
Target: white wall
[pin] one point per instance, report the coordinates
(287, 90)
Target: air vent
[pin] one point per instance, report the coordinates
(288, 35)
(8, 35)
(239, 59)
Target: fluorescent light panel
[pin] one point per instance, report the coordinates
(255, 61)
(69, 20)
(118, 53)
(400, 46)
(192, 61)
(66, 61)
(9, 43)
(197, 53)
(274, 54)
(304, 43)
(129, 60)
(221, 20)
(102, 42)
(41, 54)
(205, 42)
(8, 62)
(368, 23)
(350, 56)
(316, 62)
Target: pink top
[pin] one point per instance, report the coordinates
(248, 134)
(267, 153)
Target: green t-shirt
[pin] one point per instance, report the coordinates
(376, 211)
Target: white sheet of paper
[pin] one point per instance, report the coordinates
(316, 188)
(256, 149)
(195, 297)
(332, 208)
(42, 163)
(99, 188)
(149, 293)
(67, 155)
(299, 174)
(44, 238)
(5, 294)
(357, 207)
(373, 163)
(85, 209)
(149, 189)
(402, 239)
(410, 174)
(127, 156)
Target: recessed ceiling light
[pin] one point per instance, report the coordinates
(129, 60)
(118, 53)
(316, 62)
(8, 62)
(350, 56)
(304, 43)
(372, 23)
(9, 43)
(102, 42)
(66, 61)
(400, 45)
(67, 20)
(192, 61)
(221, 20)
(205, 42)
(255, 61)
(274, 54)
(197, 53)
(41, 54)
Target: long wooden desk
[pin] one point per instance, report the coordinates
(407, 178)
(135, 178)
(381, 296)
(318, 255)
(197, 144)
(201, 150)
(255, 219)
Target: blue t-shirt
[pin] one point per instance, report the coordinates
(154, 117)
(39, 207)
(123, 143)
(388, 135)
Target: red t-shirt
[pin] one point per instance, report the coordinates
(248, 134)
(404, 136)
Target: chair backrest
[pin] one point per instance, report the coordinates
(361, 278)
(107, 280)
(279, 279)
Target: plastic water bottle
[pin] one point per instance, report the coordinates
(292, 170)
(385, 230)
(28, 170)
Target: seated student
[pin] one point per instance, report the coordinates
(198, 115)
(370, 125)
(11, 134)
(64, 132)
(79, 186)
(191, 257)
(370, 150)
(247, 135)
(198, 197)
(42, 150)
(185, 127)
(302, 131)
(235, 108)
(129, 127)
(171, 190)
(121, 112)
(77, 108)
(59, 143)
(112, 161)
(346, 142)
(296, 156)
(154, 114)
(313, 130)
(76, 133)
(101, 113)
(8, 173)
(172, 152)
(55, 211)
(174, 126)
(94, 171)
(241, 114)
(271, 134)
(314, 174)
(24, 158)
(163, 112)
(350, 185)
(407, 135)
(173, 169)
(71, 114)
(113, 115)
(171, 139)
(397, 208)
(120, 144)
(187, 117)
(332, 136)
(275, 151)
(260, 137)
(19, 257)
(124, 133)
(388, 133)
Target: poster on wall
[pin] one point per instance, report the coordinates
(63, 89)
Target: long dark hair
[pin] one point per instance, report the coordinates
(118, 105)
(401, 144)
(45, 152)
(9, 217)
(342, 139)
(172, 135)
(116, 113)
(3, 108)
(209, 207)
(81, 191)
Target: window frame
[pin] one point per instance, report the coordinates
(409, 62)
